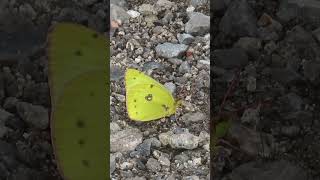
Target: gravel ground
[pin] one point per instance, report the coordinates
(25, 146)
(168, 40)
(269, 51)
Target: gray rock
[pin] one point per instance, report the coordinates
(251, 116)
(171, 87)
(151, 65)
(150, 20)
(191, 178)
(311, 71)
(297, 116)
(125, 140)
(230, 58)
(309, 10)
(112, 163)
(114, 127)
(278, 170)
(73, 14)
(269, 23)
(165, 3)
(3, 131)
(235, 25)
(185, 38)
(167, 17)
(144, 148)
(250, 141)
(136, 178)
(182, 158)
(27, 11)
(285, 75)
(290, 131)
(140, 164)
(194, 117)
(250, 44)
(291, 102)
(270, 47)
(164, 160)
(172, 177)
(267, 35)
(133, 14)
(116, 73)
(251, 84)
(184, 67)
(126, 166)
(153, 165)
(269, 28)
(196, 3)
(88, 2)
(219, 5)
(157, 30)
(19, 46)
(316, 34)
(120, 3)
(175, 61)
(204, 79)
(4, 117)
(183, 140)
(35, 115)
(169, 50)
(147, 9)
(118, 14)
(198, 24)
(301, 42)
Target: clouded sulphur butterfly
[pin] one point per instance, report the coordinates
(146, 98)
(78, 76)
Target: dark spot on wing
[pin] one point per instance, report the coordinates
(78, 53)
(85, 163)
(81, 142)
(149, 97)
(80, 123)
(151, 85)
(166, 108)
(95, 35)
(134, 100)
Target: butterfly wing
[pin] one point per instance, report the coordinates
(79, 128)
(73, 50)
(147, 99)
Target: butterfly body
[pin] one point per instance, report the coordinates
(147, 99)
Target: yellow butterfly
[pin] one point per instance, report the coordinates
(146, 98)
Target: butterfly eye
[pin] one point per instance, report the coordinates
(149, 97)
